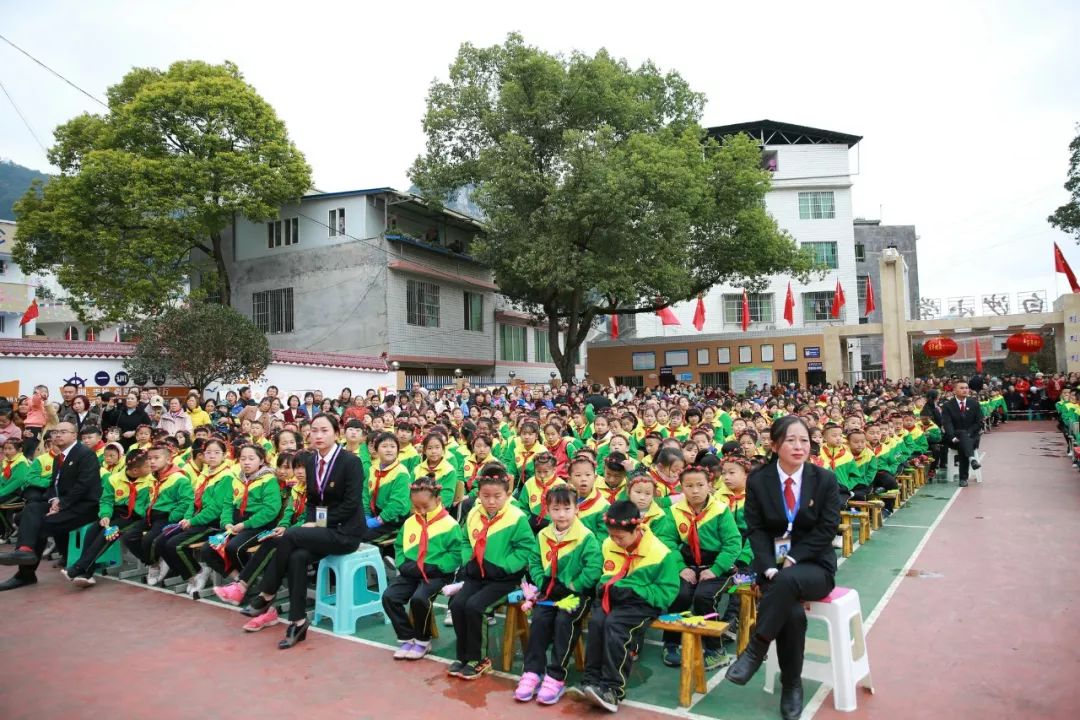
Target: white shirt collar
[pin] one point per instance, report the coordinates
(66, 450)
(329, 456)
(796, 476)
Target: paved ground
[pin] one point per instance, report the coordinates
(967, 597)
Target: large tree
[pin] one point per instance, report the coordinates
(601, 192)
(147, 190)
(1067, 217)
(198, 344)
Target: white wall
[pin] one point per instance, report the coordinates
(251, 238)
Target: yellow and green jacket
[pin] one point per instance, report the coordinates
(408, 457)
(591, 511)
(211, 492)
(866, 468)
(41, 471)
(442, 545)
(660, 523)
(107, 470)
(125, 495)
(386, 493)
(15, 475)
(652, 575)
(295, 506)
(255, 502)
(501, 546)
(708, 537)
(578, 563)
(446, 473)
(170, 492)
(737, 504)
(840, 461)
(532, 497)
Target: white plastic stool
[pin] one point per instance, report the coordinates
(953, 471)
(849, 664)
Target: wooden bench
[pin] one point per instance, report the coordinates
(874, 507)
(863, 516)
(847, 548)
(692, 669)
(748, 600)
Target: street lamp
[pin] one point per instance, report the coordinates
(553, 375)
(395, 365)
(458, 373)
(512, 375)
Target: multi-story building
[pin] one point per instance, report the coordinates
(871, 238)
(379, 271)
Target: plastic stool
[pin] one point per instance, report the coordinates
(351, 599)
(111, 556)
(849, 662)
(953, 471)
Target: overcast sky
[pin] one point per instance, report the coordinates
(966, 108)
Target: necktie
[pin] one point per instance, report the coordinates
(605, 598)
(481, 540)
(789, 495)
(553, 555)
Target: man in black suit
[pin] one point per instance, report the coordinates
(70, 502)
(962, 421)
(810, 495)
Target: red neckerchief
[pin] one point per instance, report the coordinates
(101, 444)
(7, 469)
(832, 458)
(589, 502)
(132, 495)
(299, 505)
(605, 600)
(544, 493)
(611, 493)
(205, 484)
(424, 523)
(876, 449)
(379, 475)
(155, 489)
(472, 478)
(660, 479)
(733, 501)
(525, 460)
(692, 538)
(480, 546)
(553, 555)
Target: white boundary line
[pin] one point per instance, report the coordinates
(818, 699)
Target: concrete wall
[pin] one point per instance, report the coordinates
(874, 238)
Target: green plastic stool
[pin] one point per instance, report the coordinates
(112, 555)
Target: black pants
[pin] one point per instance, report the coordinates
(612, 640)
(258, 561)
(95, 545)
(141, 536)
(296, 550)
(29, 444)
(36, 526)
(236, 552)
(965, 445)
(557, 629)
(469, 609)
(176, 549)
(703, 598)
(781, 616)
(407, 596)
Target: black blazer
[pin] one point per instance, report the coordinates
(341, 494)
(815, 524)
(956, 419)
(78, 481)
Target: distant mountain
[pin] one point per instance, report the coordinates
(14, 182)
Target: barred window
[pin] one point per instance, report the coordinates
(422, 303)
(761, 308)
(272, 310)
(824, 254)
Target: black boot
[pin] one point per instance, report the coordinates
(293, 635)
(791, 702)
(748, 662)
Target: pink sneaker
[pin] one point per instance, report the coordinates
(257, 623)
(526, 689)
(550, 691)
(231, 593)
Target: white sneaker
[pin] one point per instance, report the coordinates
(448, 621)
(84, 582)
(163, 570)
(403, 651)
(153, 576)
(417, 650)
(838, 542)
(189, 589)
(201, 578)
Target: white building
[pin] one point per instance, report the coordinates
(811, 199)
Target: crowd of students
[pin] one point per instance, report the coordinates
(614, 506)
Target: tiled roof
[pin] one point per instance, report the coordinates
(68, 348)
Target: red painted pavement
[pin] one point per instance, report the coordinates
(998, 636)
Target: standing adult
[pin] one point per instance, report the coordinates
(70, 502)
(66, 411)
(335, 525)
(175, 418)
(963, 419)
(792, 514)
(129, 420)
(597, 399)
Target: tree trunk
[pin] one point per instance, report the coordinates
(224, 284)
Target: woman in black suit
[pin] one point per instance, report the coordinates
(792, 514)
(334, 480)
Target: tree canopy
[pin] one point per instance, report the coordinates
(198, 344)
(1067, 217)
(147, 189)
(600, 191)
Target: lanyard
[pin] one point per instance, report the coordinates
(790, 514)
(321, 478)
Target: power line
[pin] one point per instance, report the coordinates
(84, 92)
(23, 118)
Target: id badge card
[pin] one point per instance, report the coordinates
(320, 516)
(782, 546)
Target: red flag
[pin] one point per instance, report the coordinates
(1060, 266)
(667, 317)
(871, 306)
(745, 310)
(30, 314)
(838, 300)
(789, 306)
(90, 336)
(699, 314)
(67, 333)
(978, 356)
(613, 328)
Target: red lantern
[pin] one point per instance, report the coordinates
(1024, 343)
(940, 348)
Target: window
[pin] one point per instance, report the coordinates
(677, 358)
(789, 352)
(292, 231)
(421, 303)
(540, 346)
(512, 342)
(824, 253)
(723, 356)
(860, 252)
(860, 281)
(767, 353)
(761, 308)
(289, 227)
(474, 311)
(643, 361)
(272, 310)
(703, 356)
(769, 160)
(746, 354)
(627, 325)
(336, 222)
(631, 381)
(817, 307)
(786, 377)
(719, 380)
(816, 205)
(3, 325)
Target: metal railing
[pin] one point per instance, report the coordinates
(437, 382)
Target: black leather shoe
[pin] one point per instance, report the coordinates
(791, 702)
(17, 582)
(975, 464)
(18, 557)
(963, 482)
(294, 634)
(256, 606)
(748, 662)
